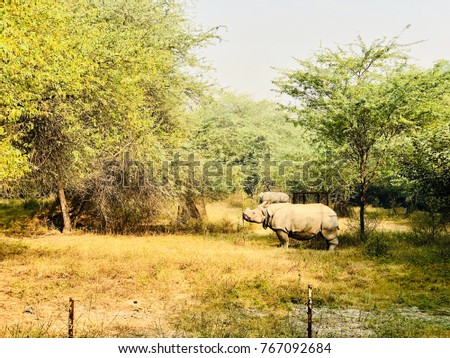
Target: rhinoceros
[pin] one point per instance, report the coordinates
(274, 197)
(297, 221)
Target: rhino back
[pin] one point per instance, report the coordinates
(274, 197)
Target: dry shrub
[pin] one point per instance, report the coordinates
(240, 200)
(107, 203)
(223, 226)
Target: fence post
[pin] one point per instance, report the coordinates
(310, 304)
(71, 315)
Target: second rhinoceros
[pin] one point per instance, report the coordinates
(297, 221)
(273, 197)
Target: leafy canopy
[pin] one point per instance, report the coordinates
(358, 98)
(84, 79)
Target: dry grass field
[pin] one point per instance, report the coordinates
(234, 284)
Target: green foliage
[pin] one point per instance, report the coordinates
(428, 227)
(103, 73)
(358, 99)
(13, 163)
(236, 118)
(86, 80)
(23, 217)
(13, 211)
(251, 141)
(32, 204)
(375, 245)
(427, 166)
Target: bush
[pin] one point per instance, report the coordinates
(199, 227)
(240, 200)
(32, 204)
(427, 227)
(376, 245)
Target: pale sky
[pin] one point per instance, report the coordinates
(261, 34)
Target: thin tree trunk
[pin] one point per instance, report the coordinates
(64, 207)
(362, 206)
(362, 200)
(188, 210)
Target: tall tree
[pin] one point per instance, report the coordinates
(359, 98)
(86, 79)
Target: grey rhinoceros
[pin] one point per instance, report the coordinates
(298, 221)
(274, 197)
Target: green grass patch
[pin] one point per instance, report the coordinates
(9, 249)
(408, 324)
(20, 217)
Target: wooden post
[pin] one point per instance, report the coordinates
(310, 304)
(71, 315)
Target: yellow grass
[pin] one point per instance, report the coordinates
(136, 284)
(157, 285)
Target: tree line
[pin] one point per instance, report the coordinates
(98, 96)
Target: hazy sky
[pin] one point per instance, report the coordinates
(261, 34)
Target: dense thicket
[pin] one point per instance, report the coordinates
(426, 164)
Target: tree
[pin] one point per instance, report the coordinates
(41, 77)
(86, 80)
(359, 98)
(251, 143)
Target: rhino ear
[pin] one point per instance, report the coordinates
(267, 203)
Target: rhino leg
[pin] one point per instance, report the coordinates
(330, 227)
(284, 238)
